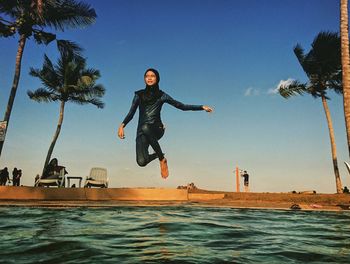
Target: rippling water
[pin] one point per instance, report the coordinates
(172, 234)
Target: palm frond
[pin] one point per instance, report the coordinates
(326, 52)
(99, 90)
(34, 72)
(97, 102)
(6, 29)
(52, 80)
(42, 37)
(315, 90)
(336, 86)
(81, 101)
(47, 75)
(304, 60)
(293, 88)
(69, 50)
(89, 91)
(324, 40)
(9, 7)
(69, 79)
(42, 95)
(322, 65)
(299, 53)
(92, 73)
(69, 14)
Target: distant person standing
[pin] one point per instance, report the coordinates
(17, 180)
(246, 181)
(4, 176)
(37, 177)
(14, 176)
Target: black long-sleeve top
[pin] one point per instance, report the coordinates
(150, 113)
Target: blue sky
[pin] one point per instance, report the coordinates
(229, 54)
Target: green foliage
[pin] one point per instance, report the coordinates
(29, 19)
(6, 30)
(42, 37)
(69, 80)
(292, 89)
(322, 65)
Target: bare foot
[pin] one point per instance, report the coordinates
(164, 168)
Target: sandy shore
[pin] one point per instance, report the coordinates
(114, 197)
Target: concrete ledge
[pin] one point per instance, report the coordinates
(136, 194)
(109, 197)
(205, 196)
(92, 194)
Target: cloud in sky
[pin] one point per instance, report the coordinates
(251, 92)
(272, 91)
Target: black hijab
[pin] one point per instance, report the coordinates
(152, 92)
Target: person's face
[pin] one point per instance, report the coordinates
(150, 78)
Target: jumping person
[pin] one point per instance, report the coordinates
(150, 127)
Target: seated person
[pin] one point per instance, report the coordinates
(52, 170)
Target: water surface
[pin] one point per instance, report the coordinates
(172, 234)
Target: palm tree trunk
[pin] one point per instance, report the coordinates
(57, 133)
(22, 42)
(333, 146)
(39, 4)
(344, 36)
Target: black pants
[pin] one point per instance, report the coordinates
(148, 134)
(16, 182)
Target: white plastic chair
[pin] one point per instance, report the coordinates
(97, 178)
(347, 166)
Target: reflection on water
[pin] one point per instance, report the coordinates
(177, 234)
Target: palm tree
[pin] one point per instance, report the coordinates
(30, 18)
(323, 68)
(67, 81)
(344, 35)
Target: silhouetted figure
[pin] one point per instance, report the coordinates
(50, 169)
(246, 181)
(53, 169)
(37, 177)
(4, 176)
(345, 190)
(17, 180)
(15, 173)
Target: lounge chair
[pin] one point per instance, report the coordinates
(58, 179)
(97, 178)
(347, 166)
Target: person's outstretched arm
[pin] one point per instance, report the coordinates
(186, 107)
(129, 116)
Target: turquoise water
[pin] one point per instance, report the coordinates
(172, 234)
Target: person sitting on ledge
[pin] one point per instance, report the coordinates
(52, 170)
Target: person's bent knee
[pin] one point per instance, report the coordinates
(141, 162)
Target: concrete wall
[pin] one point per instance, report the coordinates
(92, 194)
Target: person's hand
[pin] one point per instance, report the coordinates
(121, 131)
(207, 108)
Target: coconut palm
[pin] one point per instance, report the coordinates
(67, 81)
(322, 65)
(31, 18)
(344, 35)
